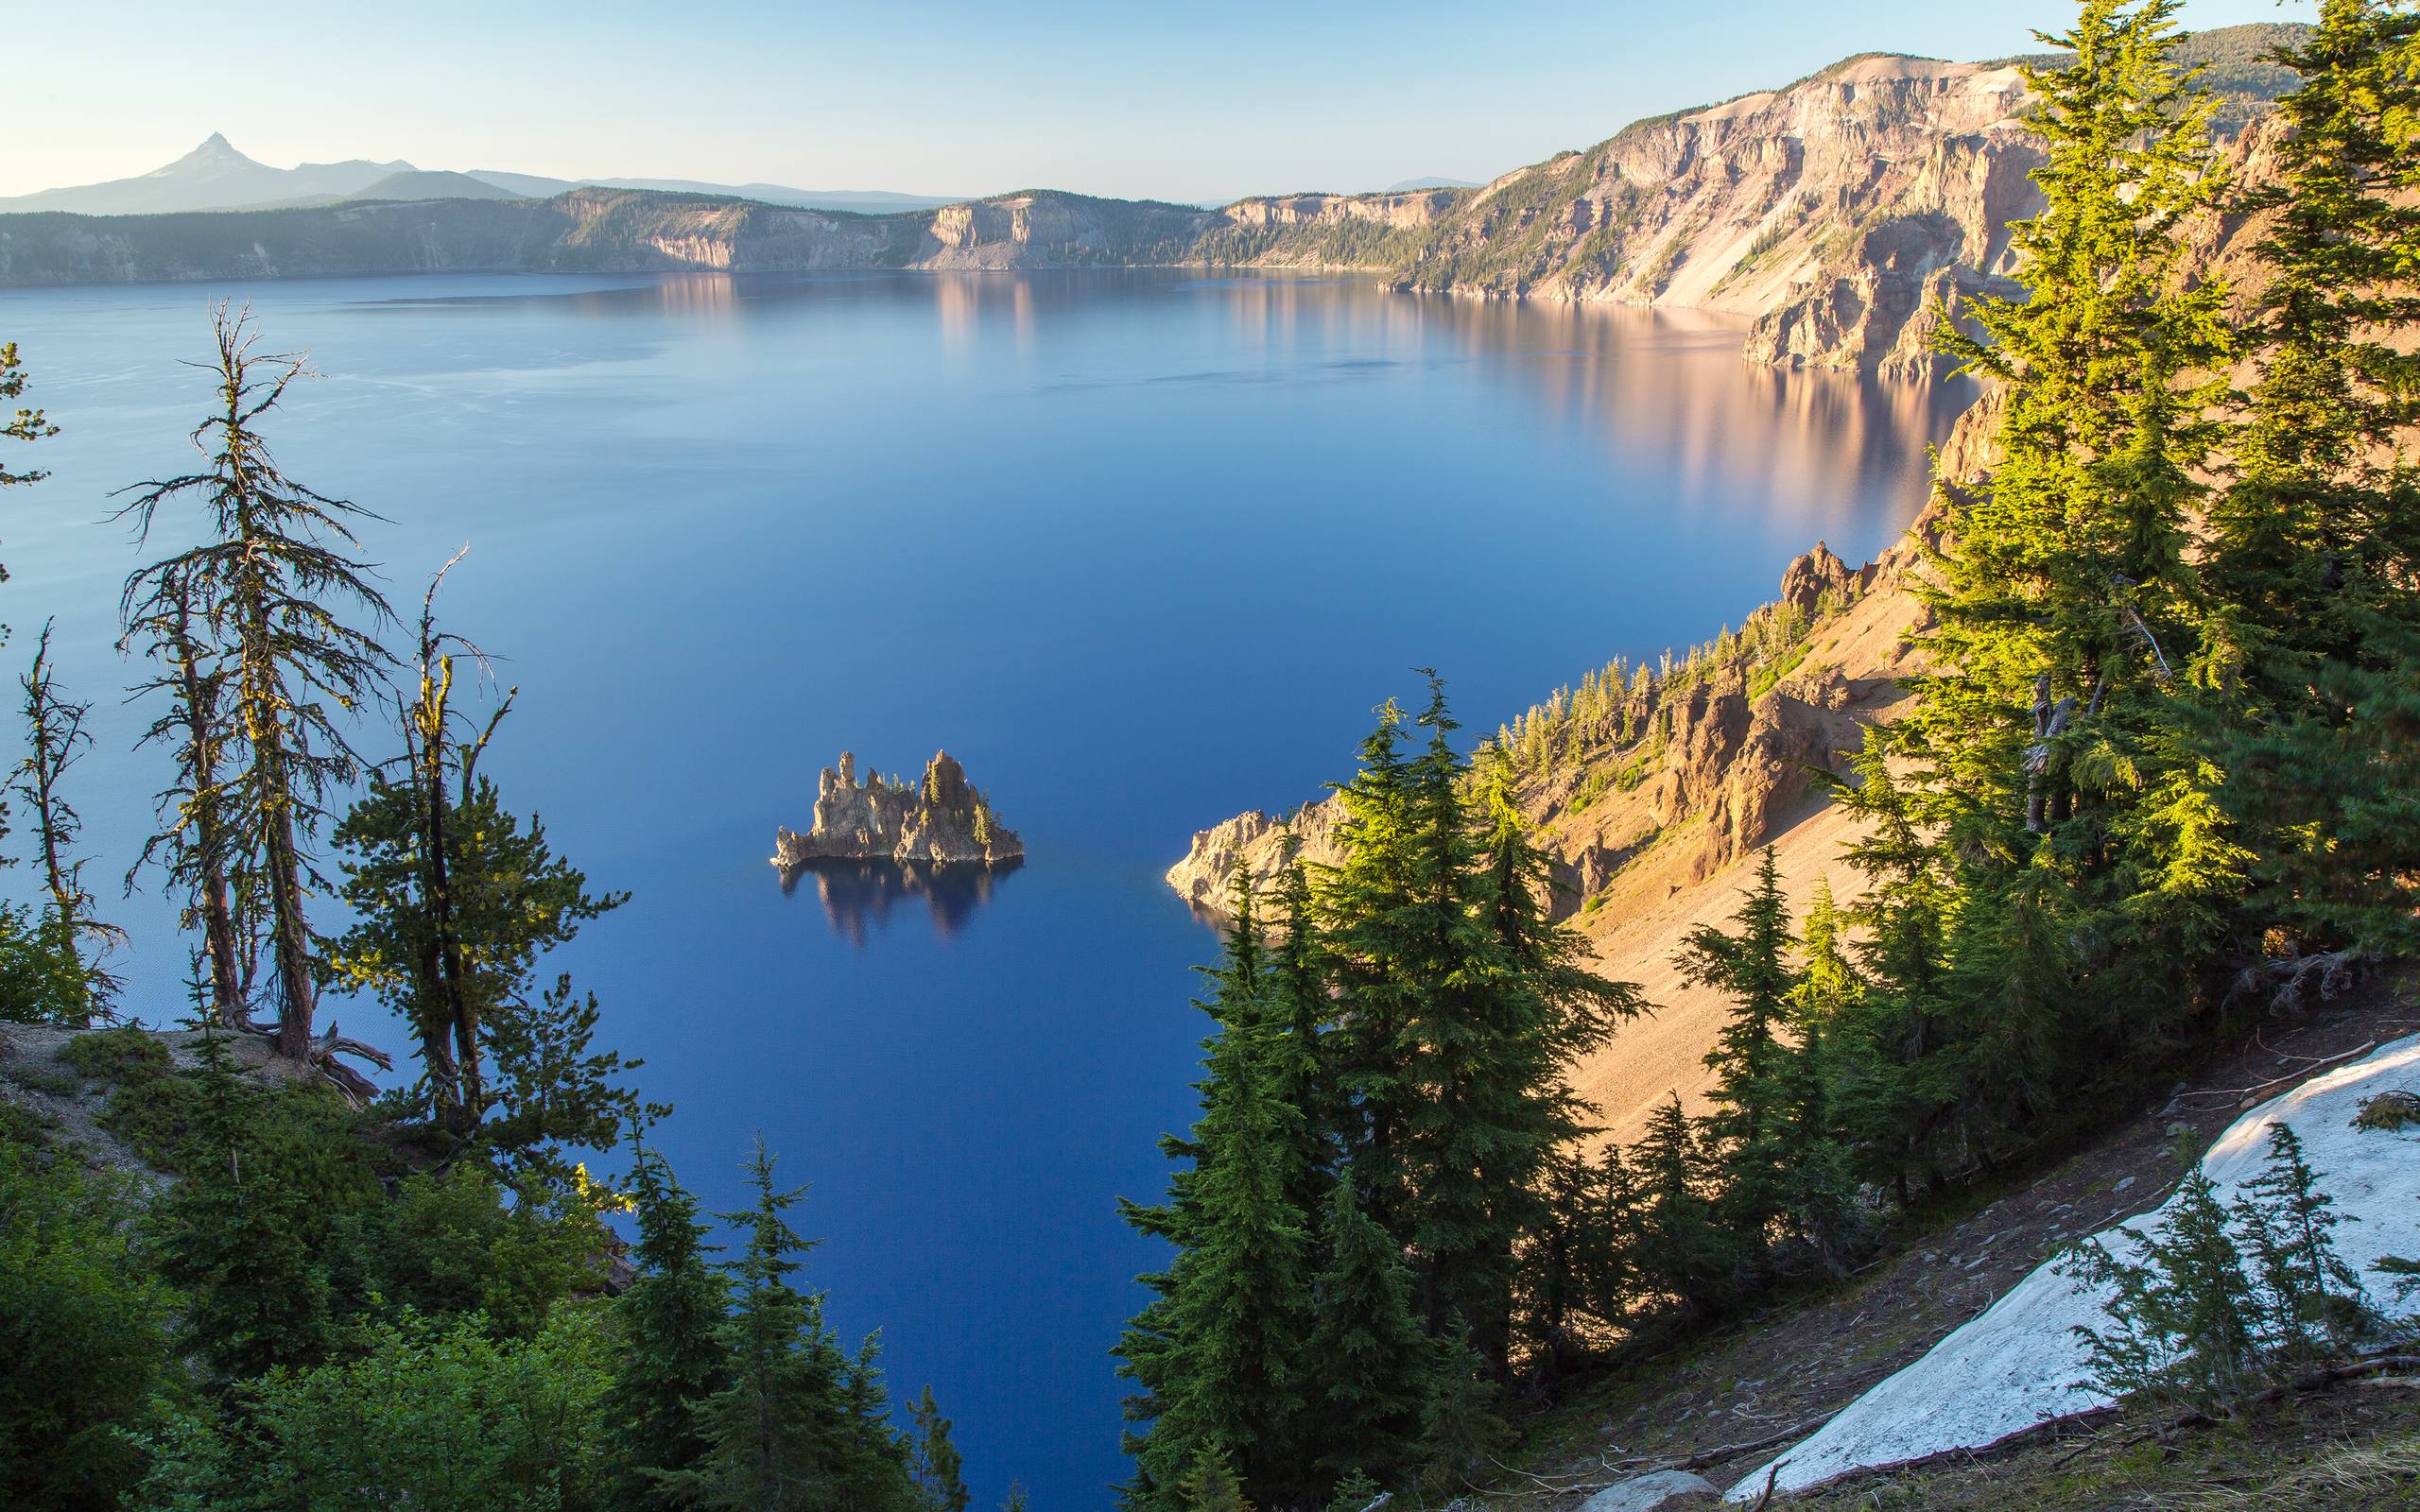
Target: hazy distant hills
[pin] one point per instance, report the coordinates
(1414, 185)
(214, 175)
(869, 201)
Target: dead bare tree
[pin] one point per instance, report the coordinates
(54, 739)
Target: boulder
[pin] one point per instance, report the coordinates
(1664, 1491)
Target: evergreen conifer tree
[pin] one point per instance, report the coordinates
(673, 1358)
(1902, 1062)
(1215, 1352)
(455, 899)
(55, 738)
(1681, 1248)
(1368, 1368)
(934, 1463)
(2055, 730)
(1819, 1191)
(789, 1431)
(2314, 665)
(1751, 968)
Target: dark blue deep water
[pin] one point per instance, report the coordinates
(1141, 549)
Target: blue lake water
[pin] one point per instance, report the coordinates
(1141, 549)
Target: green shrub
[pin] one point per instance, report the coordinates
(84, 1348)
(39, 980)
(437, 1417)
(117, 1056)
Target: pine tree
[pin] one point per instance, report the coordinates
(277, 576)
(1902, 1066)
(1751, 967)
(242, 1233)
(1369, 1367)
(1301, 1049)
(1213, 1353)
(55, 737)
(2315, 667)
(1819, 1192)
(789, 1431)
(1358, 900)
(2056, 727)
(1681, 1248)
(2183, 1321)
(934, 1463)
(454, 900)
(673, 1358)
(2313, 1304)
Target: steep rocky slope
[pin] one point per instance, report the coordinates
(1840, 211)
(1649, 804)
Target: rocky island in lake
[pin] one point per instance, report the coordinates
(944, 819)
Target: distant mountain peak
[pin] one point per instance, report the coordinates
(214, 152)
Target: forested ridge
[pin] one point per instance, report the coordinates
(2160, 775)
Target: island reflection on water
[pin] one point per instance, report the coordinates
(859, 896)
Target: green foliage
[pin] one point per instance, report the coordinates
(933, 1463)
(122, 1058)
(85, 1353)
(460, 1243)
(1370, 1369)
(41, 979)
(799, 1425)
(1752, 969)
(454, 948)
(246, 1235)
(672, 1357)
(1213, 1354)
(427, 1415)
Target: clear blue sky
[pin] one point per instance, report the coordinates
(944, 98)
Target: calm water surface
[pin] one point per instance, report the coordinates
(1142, 550)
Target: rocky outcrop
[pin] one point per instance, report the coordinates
(1261, 843)
(1713, 760)
(943, 820)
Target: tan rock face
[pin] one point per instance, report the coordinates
(1712, 766)
(940, 820)
(1258, 842)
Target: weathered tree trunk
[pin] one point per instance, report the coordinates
(298, 996)
(230, 984)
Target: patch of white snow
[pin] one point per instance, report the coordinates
(2020, 1363)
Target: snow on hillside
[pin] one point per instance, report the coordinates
(2020, 1363)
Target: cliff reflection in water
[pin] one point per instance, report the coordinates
(859, 896)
